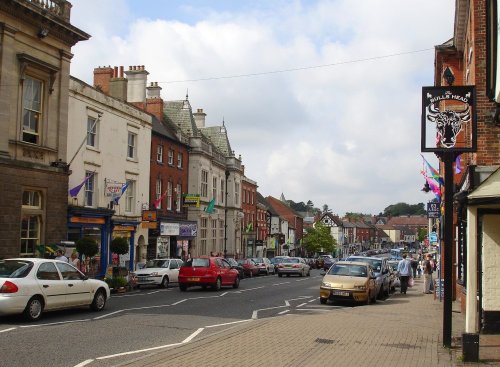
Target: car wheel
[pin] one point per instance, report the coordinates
(183, 287)
(164, 282)
(280, 275)
(236, 283)
(34, 309)
(99, 301)
(217, 284)
(323, 300)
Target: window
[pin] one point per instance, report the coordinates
(221, 228)
(204, 183)
(214, 187)
(236, 193)
(179, 160)
(30, 234)
(47, 271)
(203, 235)
(92, 132)
(31, 199)
(170, 157)
(222, 194)
(159, 153)
(68, 272)
(158, 191)
(178, 198)
(32, 110)
(90, 189)
(169, 196)
(132, 145)
(130, 196)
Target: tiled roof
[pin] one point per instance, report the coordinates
(218, 137)
(180, 115)
(163, 129)
(405, 220)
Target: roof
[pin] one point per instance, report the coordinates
(282, 208)
(488, 189)
(409, 220)
(218, 137)
(179, 114)
(162, 129)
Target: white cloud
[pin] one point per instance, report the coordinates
(346, 135)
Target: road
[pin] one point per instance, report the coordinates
(139, 322)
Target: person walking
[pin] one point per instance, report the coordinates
(405, 273)
(427, 267)
(60, 256)
(414, 266)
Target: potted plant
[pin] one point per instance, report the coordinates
(87, 246)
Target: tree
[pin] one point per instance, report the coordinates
(398, 209)
(422, 233)
(319, 238)
(326, 209)
(119, 245)
(87, 246)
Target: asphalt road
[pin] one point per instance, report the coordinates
(140, 322)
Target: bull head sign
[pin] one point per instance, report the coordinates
(448, 119)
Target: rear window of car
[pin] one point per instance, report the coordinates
(198, 263)
(291, 260)
(375, 263)
(15, 268)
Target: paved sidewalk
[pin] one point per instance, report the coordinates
(405, 330)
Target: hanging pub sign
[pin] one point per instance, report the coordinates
(449, 119)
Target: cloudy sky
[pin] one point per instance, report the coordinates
(321, 98)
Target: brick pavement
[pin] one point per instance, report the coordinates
(405, 330)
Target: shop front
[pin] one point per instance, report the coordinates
(125, 230)
(172, 240)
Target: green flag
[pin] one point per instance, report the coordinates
(210, 207)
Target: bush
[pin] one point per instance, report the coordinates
(116, 282)
(87, 246)
(119, 245)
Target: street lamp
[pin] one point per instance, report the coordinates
(225, 216)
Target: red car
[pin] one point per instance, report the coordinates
(207, 271)
(249, 267)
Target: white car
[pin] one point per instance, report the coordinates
(160, 272)
(30, 286)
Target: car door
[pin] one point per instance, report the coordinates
(78, 290)
(173, 271)
(51, 285)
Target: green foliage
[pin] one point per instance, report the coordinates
(116, 282)
(422, 233)
(87, 246)
(319, 238)
(119, 245)
(398, 209)
(356, 217)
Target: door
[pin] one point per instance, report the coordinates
(51, 285)
(78, 290)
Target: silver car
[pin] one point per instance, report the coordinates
(294, 265)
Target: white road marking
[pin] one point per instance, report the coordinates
(55, 323)
(176, 303)
(108, 314)
(138, 351)
(228, 323)
(5, 330)
(313, 300)
(280, 283)
(302, 304)
(250, 289)
(301, 280)
(313, 309)
(84, 363)
(193, 335)
(283, 312)
(223, 294)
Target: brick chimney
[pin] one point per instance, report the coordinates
(154, 102)
(199, 118)
(137, 80)
(118, 84)
(102, 75)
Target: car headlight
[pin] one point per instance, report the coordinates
(154, 274)
(360, 287)
(326, 284)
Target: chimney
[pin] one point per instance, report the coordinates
(102, 75)
(118, 85)
(137, 80)
(154, 102)
(199, 118)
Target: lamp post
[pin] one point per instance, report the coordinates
(225, 215)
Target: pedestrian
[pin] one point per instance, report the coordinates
(419, 269)
(405, 273)
(60, 256)
(427, 267)
(414, 266)
(75, 260)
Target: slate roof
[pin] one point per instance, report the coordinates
(218, 137)
(163, 129)
(179, 114)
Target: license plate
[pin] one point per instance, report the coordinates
(143, 280)
(340, 293)
(193, 279)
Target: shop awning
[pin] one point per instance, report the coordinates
(488, 192)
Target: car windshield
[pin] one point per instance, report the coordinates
(375, 263)
(197, 263)
(349, 270)
(15, 268)
(156, 264)
(291, 260)
(258, 260)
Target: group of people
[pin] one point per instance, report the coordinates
(407, 270)
(73, 258)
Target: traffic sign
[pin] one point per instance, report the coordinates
(433, 210)
(433, 237)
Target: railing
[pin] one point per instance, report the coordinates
(59, 8)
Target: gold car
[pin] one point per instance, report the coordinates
(349, 281)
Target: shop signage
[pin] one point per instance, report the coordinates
(150, 225)
(169, 229)
(191, 199)
(433, 210)
(124, 228)
(87, 220)
(112, 189)
(149, 215)
(188, 229)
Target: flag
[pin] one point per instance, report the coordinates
(458, 167)
(434, 173)
(210, 207)
(249, 227)
(124, 188)
(158, 201)
(75, 190)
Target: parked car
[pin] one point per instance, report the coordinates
(234, 264)
(31, 286)
(350, 281)
(277, 260)
(293, 265)
(264, 265)
(328, 261)
(207, 271)
(381, 270)
(249, 267)
(160, 272)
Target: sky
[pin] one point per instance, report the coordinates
(321, 98)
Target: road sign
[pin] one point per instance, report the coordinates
(433, 210)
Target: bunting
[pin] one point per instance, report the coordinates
(75, 190)
(434, 173)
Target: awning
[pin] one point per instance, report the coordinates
(488, 192)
